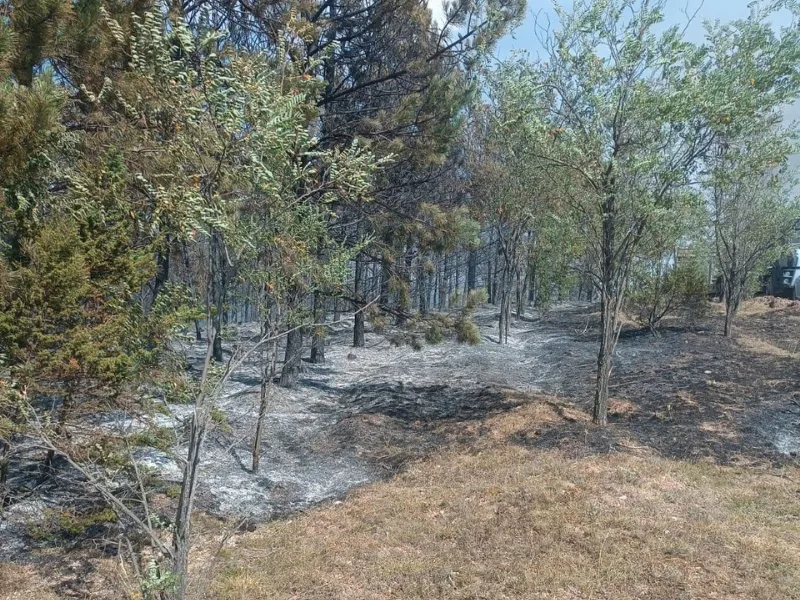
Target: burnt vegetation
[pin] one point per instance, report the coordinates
(255, 256)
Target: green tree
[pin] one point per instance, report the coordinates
(751, 71)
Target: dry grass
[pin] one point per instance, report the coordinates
(507, 521)
(22, 582)
(759, 346)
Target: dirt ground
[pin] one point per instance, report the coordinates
(688, 395)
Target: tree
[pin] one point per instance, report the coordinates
(511, 189)
(747, 181)
(629, 137)
(753, 212)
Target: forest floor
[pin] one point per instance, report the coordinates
(498, 484)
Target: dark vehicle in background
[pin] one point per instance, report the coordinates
(784, 277)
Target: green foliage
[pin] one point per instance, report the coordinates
(157, 581)
(661, 288)
(162, 438)
(436, 327)
(220, 419)
(467, 332)
(68, 523)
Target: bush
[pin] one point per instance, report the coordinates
(654, 294)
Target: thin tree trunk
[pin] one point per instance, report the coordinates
(162, 273)
(732, 302)
(604, 358)
(422, 286)
(217, 293)
(181, 542)
(5, 463)
(292, 362)
(358, 320)
(385, 277)
(318, 336)
(472, 267)
(267, 374)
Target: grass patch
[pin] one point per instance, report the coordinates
(514, 522)
(161, 438)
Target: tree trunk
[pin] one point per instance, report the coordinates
(181, 542)
(267, 374)
(188, 267)
(441, 277)
(505, 303)
(162, 274)
(358, 320)
(292, 362)
(217, 293)
(385, 277)
(608, 327)
(422, 286)
(472, 267)
(5, 463)
(732, 302)
(318, 337)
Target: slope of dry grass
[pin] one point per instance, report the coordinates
(506, 521)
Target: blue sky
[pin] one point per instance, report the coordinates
(524, 37)
(676, 11)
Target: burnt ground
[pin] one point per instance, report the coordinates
(687, 394)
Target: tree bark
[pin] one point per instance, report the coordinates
(217, 293)
(5, 462)
(358, 320)
(267, 374)
(472, 267)
(162, 273)
(422, 285)
(292, 362)
(385, 277)
(318, 336)
(181, 542)
(604, 359)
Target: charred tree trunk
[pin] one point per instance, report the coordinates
(733, 298)
(490, 283)
(318, 336)
(358, 320)
(404, 295)
(217, 293)
(442, 275)
(267, 375)
(472, 267)
(385, 278)
(190, 280)
(181, 542)
(422, 286)
(5, 464)
(608, 327)
(612, 285)
(162, 273)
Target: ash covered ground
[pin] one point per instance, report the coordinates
(687, 394)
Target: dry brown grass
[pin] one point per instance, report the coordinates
(759, 346)
(22, 582)
(508, 521)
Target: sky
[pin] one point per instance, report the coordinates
(676, 11)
